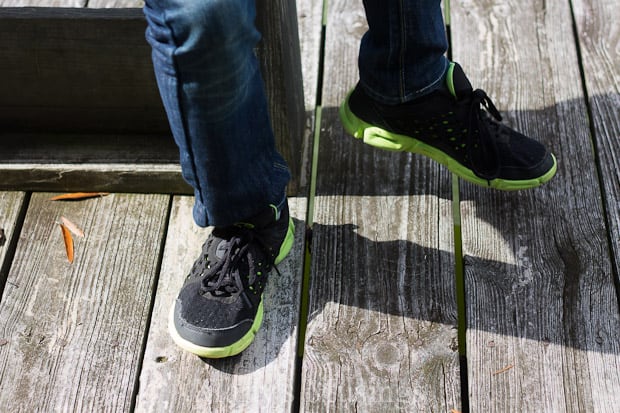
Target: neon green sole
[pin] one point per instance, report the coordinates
(248, 338)
(383, 139)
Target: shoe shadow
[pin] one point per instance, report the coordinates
(526, 253)
(415, 283)
(389, 277)
(550, 254)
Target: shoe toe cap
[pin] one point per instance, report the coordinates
(209, 322)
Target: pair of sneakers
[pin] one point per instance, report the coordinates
(219, 308)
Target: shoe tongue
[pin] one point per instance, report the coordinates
(457, 82)
(264, 218)
(220, 250)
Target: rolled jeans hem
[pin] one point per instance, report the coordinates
(391, 100)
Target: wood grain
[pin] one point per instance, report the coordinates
(96, 177)
(77, 70)
(309, 18)
(599, 37)
(43, 3)
(115, 4)
(381, 330)
(73, 3)
(280, 60)
(11, 204)
(262, 377)
(75, 332)
(540, 292)
(87, 148)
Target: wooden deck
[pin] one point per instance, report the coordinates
(406, 291)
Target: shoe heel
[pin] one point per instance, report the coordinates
(369, 134)
(288, 242)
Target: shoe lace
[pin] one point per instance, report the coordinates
(224, 278)
(482, 147)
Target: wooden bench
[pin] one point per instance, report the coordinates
(79, 106)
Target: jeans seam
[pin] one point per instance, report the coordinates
(431, 86)
(403, 40)
(186, 139)
(408, 97)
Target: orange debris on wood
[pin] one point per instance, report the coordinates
(66, 236)
(78, 195)
(505, 369)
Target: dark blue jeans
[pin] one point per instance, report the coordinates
(402, 55)
(214, 95)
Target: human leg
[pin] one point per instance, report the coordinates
(437, 114)
(402, 55)
(214, 98)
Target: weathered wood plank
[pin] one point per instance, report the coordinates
(599, 37)
(87, 162)
(43, 3)
(124, 177)
(381, 332)
(75, 332)
(94, 4)
(262, 377)
(73, 3)
(381, 329)
(542, 310)
(279, 55)
(310, 19)
(11, 204)
(89, 70)
(79, 70)
(77, 148)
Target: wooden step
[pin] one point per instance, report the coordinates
(85, 75)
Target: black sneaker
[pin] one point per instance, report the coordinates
(220, 308)
(451, 126)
